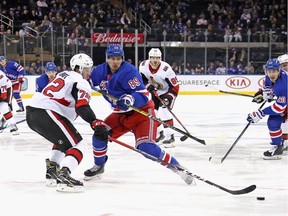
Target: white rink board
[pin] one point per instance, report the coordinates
(195, 84)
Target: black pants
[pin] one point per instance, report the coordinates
(54, 127)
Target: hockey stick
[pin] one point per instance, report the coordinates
(183, 138)
(228, 92)
(235, 142)
(18, 122)
(234, 192)
(152, 117)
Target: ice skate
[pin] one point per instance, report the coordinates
(14, 129)
(169, 142)
(95, 172)
(20, 110)
(189, 179)
(274, 153)
(3, 124)
(52, 170)
(65, 183)
(161, 137)
(284, 147)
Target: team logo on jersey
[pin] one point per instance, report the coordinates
(155, 83)
(238, 82)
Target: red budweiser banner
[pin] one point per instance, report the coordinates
(116, 38)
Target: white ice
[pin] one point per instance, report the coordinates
(135, 186)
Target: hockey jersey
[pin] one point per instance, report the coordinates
(41, 82)
(64, 94)
(163, 78)
(280, 90)
(5, 88)
(14, 71)
(126, 80)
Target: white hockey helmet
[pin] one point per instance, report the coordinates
(82, 60)
(283, 59)
(155, 52)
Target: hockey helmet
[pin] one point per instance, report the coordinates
(2, 58)
(272, 64)
(283, 59)
(50, 66)
(114, 50)
(82, 60)
(155, 52)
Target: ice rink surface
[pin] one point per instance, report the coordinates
(135, 186)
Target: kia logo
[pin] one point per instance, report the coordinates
(261, 82)
(238, 82)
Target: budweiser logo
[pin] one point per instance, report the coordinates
(116, 38)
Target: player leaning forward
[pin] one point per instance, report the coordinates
(160, 79)
(122, 80)
(275, 84)
(51, 114)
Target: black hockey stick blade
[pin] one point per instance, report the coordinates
(243, 191)
(183, 138)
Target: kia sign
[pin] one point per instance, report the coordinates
(238, 82)
(116, 38)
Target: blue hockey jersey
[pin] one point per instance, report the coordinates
(14, 71)
(41, 82)
(280, 90)
(126, 80)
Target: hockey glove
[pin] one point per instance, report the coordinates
(255, 117)
(125, 101)
(101, 131)
(20, 80)
(151, 89)
(168, 99)
(268, 94)
(258, 97)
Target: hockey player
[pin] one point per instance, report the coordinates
(122, 80)
(283, 60)
(57, 106)
(159, 78)
(258, 98)
(15, 72)
(45, 78)
(275, 84)
(5, 100)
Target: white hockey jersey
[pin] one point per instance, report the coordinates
(157, 77)
(64, 94)
(5, 84)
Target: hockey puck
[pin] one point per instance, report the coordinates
(210, 158)
(260, 198)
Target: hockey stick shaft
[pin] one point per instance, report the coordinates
(232, 93)
(160, 99)
(238, 138)
(234, 192)
(152, 117)
(18, 122)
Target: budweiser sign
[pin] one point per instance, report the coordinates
(116, 38)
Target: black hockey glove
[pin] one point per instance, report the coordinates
(151, 89)
(101, 131)
(258, 97)
(168, 99)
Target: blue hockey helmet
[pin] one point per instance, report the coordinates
(50, 66)
(272, 64)
(114, 50)
(2, 58)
